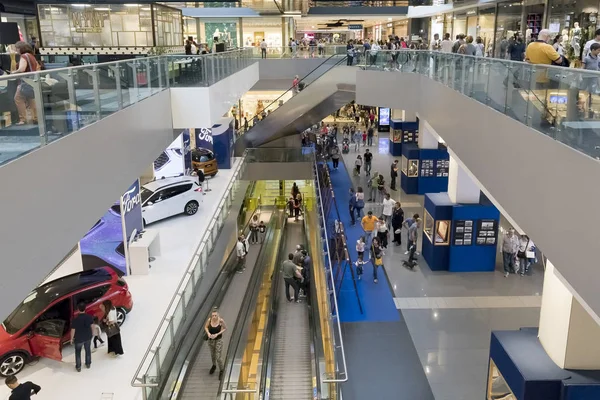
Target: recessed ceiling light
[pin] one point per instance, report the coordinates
(390, 18)
(102, 9)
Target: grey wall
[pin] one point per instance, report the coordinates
(548, 188)
(278, 74)
(58, 192)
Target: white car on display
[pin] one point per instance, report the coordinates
(166, 197)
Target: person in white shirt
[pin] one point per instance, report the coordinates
(446, 45)
(589, 43)
(360, 250)
(382, 232)
(241, 249)
(263, 49)
(375, 47)
(388, 209)
(525, 254)
(435, 43)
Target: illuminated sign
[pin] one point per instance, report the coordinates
(85, 21)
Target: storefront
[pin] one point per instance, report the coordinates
(575, 21)
(257, 29)
(485, 28)
(109, 25)
(401, 29)
(254, 102)
(509, 23)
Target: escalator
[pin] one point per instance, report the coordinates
(291, 364)
(329, 88)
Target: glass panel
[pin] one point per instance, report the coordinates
(165, 346)
(178, 317)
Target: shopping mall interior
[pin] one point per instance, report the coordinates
(242, 200)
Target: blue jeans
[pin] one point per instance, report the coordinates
(88, 354)
(509, 262)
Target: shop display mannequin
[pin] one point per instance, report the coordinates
(576, 38)
(565, 37)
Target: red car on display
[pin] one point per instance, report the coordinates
(42, 323)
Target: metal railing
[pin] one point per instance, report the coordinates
(148, 374)
(299, 51)
(56, 102)
(559, 102)
(329, 272)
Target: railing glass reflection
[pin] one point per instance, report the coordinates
(62, 101)
(562, 103)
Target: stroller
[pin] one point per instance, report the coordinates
(345, 146)
(411, 263)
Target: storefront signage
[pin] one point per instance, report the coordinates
(131, 198)
(88, 21)
(355, 27)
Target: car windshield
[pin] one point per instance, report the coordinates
(201, 156)
(145, 194)
(27, 310)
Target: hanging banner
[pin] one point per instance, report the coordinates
(131, 217)
(170, 162)
(223, 138)
(187, 150)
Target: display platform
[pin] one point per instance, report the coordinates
(520, 369)
(459, 237)
(110, 377)
(424, 170)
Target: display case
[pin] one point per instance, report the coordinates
(413, 168)
(497, 386)
(397, 135)
(438, 232)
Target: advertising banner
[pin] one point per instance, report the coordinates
(187, 150)
(105, 244)
(204, 138)
(384, 119)
(223, 137)
(171, 161)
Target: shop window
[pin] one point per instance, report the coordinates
(90, 296)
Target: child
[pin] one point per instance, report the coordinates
(97, 332)
(360, 249)
(262, 230)
(364, 138)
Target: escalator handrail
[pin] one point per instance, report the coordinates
(343, 57)
(227, 268)
(333, 294)
(241, 322)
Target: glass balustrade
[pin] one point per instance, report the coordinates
(562, 103)
(40, 107)
(300, 51)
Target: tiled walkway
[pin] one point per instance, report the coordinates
(450, 316)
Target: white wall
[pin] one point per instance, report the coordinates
(202, 107)
(545, 186)
(55, 194)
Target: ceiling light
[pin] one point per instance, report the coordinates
(102, 9)
(313, 27)
(390, 18)
(80, 5)
(131, 5)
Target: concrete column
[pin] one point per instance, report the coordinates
(568, 333)
(461, 187)
(428, 138)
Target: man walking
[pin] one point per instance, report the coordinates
(510, 246)
(367, 158)
(368, 225)
(81, 336)
(241, 249)
(263, 49)
(370, 136)
(22, 391)
(290, 271)
(393, 175)
(413, 226)
(388, 209)
(352, 206)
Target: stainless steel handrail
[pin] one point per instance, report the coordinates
(334, 295)
(138, 381)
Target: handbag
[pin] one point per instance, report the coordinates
(378, 261)
(523, 254)
(112, 330)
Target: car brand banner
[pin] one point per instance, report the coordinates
(171, 161)
(187, 150)
(204, 138)
(222, 136)
(131, 216)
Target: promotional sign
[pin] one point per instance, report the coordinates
(187, 150)
(222, 136)
(357, 27)
(384, 119)
(204, 138)
(171, 161)
(105, 244)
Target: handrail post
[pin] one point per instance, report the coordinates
(116, 69)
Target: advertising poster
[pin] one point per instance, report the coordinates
(187, 150)
(204, 138)
(384, 119)
(104, 244)
(171, 161)
(223, 135)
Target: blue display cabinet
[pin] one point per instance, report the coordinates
(424, 170)
(409, 177)
(520, 369)
(402, 132)
(437, 228)
(474, 237)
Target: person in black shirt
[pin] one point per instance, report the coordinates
(81, 336)
(368, 157)
(393, 175)
(22, 391)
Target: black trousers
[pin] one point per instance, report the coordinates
(397, 236)
(336, 162)
(393, 183)
(291, 282)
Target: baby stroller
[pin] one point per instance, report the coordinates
(412, 259)
(345, 146)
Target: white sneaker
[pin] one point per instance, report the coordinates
(406, 252)
(506, 274)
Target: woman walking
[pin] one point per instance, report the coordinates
(360, 202)
(214, 328)
(113, 332)
(376, 257)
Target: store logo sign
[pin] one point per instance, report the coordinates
(355, 27)
(91, 21)
(131, 199)
(205, 135)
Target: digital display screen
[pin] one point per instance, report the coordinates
(555, 99)
(384, 116)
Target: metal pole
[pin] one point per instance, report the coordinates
(116, 69)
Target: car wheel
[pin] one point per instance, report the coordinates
(121, 316)
(12, 364)
(191, 208)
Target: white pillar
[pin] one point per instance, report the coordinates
(428, 138)
(461, 187)
(568, 333)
